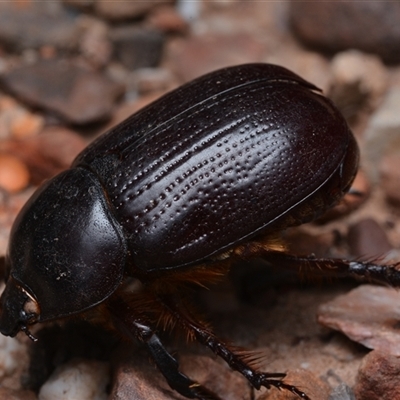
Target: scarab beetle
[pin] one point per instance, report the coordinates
(202, 176)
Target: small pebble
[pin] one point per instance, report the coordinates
(14, 175)
(94, 44)
(152, 80)
(367, 240)
(123, 10)
(137, 47)
(16, 120)
(342, 392)
(27, 125)
(381, 137)
(167, 19)
(10, 355)
(77, 379)
(389, 170)
(38, 154)
(359, 82)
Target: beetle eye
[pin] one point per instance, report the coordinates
(30, 312)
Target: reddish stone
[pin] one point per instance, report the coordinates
(371, 26)
(14, 175)
(38, 152)
(378, 377)
(167, 19)
(368, 315)
(10, 394)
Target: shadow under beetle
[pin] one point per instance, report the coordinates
(203, 176)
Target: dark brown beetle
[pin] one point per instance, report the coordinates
(201, 177)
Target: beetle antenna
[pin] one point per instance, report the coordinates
(28, 333)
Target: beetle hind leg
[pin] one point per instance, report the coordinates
(237, 360)
(325, 267)
(137, 327)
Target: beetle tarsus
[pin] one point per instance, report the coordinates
(386, 274)
(285, 386)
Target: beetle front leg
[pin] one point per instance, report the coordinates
(235, 359)
(136, 327)
(326, 267)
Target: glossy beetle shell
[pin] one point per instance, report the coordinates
(236, 153)
(241, 152)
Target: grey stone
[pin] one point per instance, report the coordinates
(137, 47)
(359, 82)
(32, 28)
(367, 240)
(382, 135)
(342, 392)
(74, 94)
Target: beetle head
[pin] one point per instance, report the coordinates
(66, 253)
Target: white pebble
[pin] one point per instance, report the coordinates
(77, 379)
(11, 354)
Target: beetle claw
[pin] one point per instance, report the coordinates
(279, 384)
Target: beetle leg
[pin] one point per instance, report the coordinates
(137, 327)
(329, 267)
(235, 359)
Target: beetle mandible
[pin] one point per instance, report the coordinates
(201, 177)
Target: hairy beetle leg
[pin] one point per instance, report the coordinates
(138, 328)
(235, 359)
(328, 267)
